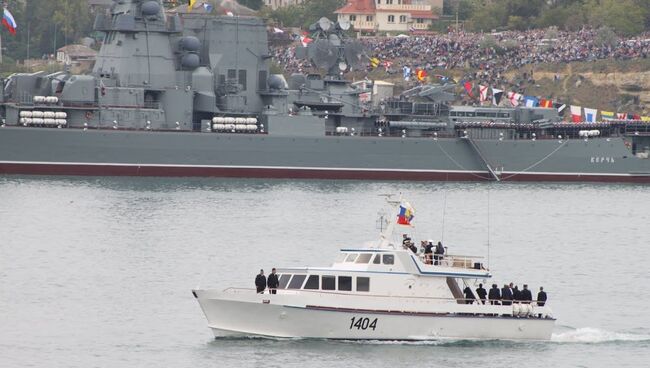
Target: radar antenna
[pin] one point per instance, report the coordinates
(331, 49)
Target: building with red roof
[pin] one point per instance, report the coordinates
(390, 15)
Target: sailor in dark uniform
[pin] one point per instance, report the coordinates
(428, 252)
(438, 253)
(406, 241)
(272, 282)
(506, 295)
(260, 282)
(469, 296)
(481, 292)
(516, 293)
(541, 297)
(526, 295)
(494, 295)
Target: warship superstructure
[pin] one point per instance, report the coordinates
(191, 94)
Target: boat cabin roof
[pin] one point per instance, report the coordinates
(400, 261)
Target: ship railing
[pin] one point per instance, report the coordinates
(496, 303)
(396, 133)
(456, 261)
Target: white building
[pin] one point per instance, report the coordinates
(390, 15)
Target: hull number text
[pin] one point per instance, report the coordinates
(600, 160)
(362, 323)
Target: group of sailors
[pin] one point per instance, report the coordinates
(433, 254)
(262, 282)
(508, 294)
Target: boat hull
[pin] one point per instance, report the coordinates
(229, 318)
(44, 151)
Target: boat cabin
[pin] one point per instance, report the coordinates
(386, 272)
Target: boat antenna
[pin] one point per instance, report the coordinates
(444, 211)
(488, 228)
(385, 234)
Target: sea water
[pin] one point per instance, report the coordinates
(97, 272)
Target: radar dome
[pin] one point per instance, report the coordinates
(190, 61)
(276, 81)
(190, 43)
(150, 8)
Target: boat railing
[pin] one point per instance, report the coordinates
(455, 261)
(506, 307)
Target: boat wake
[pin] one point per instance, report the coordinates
(589, 335)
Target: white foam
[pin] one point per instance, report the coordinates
(595, 335)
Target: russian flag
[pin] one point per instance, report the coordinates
(9, 22)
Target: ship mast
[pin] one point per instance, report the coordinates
(384, 236)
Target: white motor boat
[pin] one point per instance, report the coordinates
(384, 292)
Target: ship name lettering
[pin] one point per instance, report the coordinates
(363, 323)
(600, 160)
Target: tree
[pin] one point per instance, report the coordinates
(625, 17)
(305, 14)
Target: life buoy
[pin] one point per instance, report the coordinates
(89, 115)
(628, 144)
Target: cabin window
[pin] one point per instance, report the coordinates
(312, 283)
(363, 283)
(364, 258)
(232, 74)
(329, 283)
(296, 281)
(341, 258)
(388, 259)
(284, 281)
(351, 257)
(377, 259)
(345, 283)
(504, 115)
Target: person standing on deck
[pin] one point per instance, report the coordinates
(480, 291)
(526, 295)
(541, 297)
(469, 296)
(506, 295)
(272, 282)
(438, 253)
(494, 295)
(260, 282)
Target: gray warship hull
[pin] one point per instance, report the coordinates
(192, 94)
(157, 153)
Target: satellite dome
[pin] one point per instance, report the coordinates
(190, 61)
(275, 81)
(150, 8)
(190, 43)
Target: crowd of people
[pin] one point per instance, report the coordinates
(492, 54)
(507, 295)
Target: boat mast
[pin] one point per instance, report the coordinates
(384, 236)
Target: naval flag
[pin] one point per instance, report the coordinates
(9, 22)
(590, 115)
(406, 214)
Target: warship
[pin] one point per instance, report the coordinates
(191, 94)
